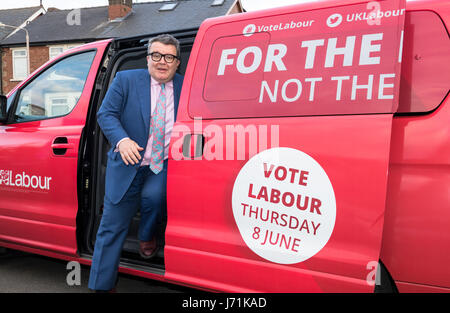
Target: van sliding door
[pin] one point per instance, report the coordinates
(278, 173)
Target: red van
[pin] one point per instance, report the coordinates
(311, 152)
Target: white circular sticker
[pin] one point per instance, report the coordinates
(284, 205)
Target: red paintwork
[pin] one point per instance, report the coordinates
(390, 177)
(415, 288)
(416, 234)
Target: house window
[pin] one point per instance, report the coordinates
(59, 106)
(168, 6)
(217, 2)
(54, 51)
(19, 64)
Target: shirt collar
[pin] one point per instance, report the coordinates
(156, 83)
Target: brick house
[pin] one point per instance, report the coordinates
(16, 18)
(58, 30)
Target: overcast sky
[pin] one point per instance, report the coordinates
(250, 5)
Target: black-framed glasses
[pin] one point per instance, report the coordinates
(156, 57)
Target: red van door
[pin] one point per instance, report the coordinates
(277, 178)
(39, 153)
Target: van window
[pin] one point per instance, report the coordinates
(214, 83)
(426, 63)
(56, 91)
(306, 63)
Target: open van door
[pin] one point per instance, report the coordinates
(39, 152)
(278, 172)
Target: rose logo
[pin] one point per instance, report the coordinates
(249, 30)
(4, 176)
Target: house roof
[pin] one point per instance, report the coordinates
(62, 26)
(147, 18)
(93, 24)
(15, 17)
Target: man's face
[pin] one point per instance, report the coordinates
(162, 71)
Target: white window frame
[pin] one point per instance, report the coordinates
(53, 55)
(70, 98)
(64, 49)
(217, 3)
(169, 6)
(15, 76)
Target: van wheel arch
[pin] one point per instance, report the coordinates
(386, 282)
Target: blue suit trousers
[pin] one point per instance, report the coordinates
(147, 191)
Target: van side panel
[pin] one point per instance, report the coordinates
(204, 243)
(416, 237)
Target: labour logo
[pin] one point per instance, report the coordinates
(4, 176)
(249, 30)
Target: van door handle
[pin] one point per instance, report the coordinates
(60, 145)
(193, 145)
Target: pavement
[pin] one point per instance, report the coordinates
(22, 272)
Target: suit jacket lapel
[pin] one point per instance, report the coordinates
(143, 91)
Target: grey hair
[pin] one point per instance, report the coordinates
(165, 39)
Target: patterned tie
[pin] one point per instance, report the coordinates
(157, 128)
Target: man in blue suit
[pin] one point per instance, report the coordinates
(137, 117)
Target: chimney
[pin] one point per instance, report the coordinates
(119, 8)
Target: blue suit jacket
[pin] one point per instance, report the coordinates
(125, 112)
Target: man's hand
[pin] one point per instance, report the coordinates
(129, 151)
